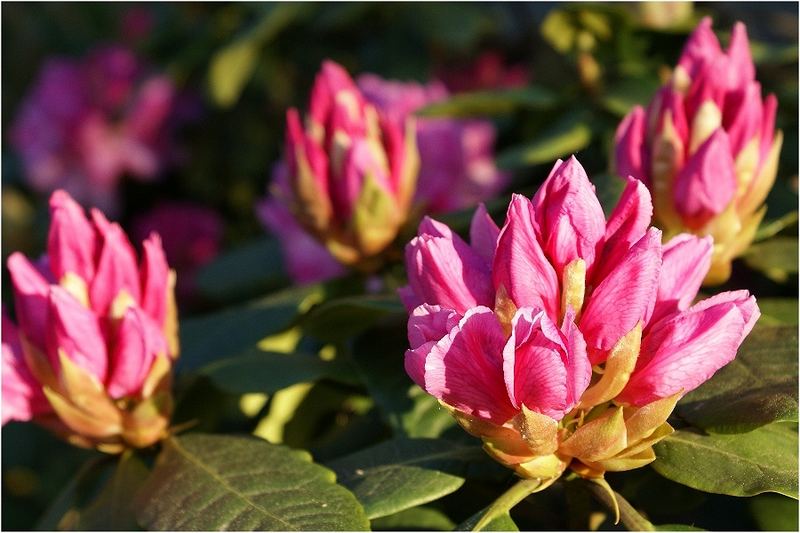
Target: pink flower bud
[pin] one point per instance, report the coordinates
(508, 345)
(706, 146)
(97, 335)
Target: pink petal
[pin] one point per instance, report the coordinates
(116, 267)
(465, 368)
(534, 364)
(154, 279)
(75, 330)
(71, 240)
(30, 298)
(22, 395)
(685, 351)
(624, 297)
(579, 368)
(768, 126)
(569, 220)
(427, 325)
(483, 234)
(685, 263)
(707, 183)
(741, 70)
(520, 265)
(331, 79)
(626, 225)
(139, 341)
(629, 145)
(743, 116)
(701, 47)
(444, 270)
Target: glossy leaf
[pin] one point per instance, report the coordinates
(763, 460)
(773, 512)
(488, 103)
(234, 330)
(260, 371)
(757, 388)
(113, 508)
(403, 473)
(417, 519)
(250, 269)
(216, 482)
(344, 317)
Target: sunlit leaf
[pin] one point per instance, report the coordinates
(215, 482)
(776, 258)
(403, 473)
(743, 464)
(415, 519)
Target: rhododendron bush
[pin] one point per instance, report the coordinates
(298, 266)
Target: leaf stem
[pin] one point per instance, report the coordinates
(518, 492)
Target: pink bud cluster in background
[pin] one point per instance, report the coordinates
(456, 167)
(706, 146)
(490, 70)
(520, 314)
(96, 333)
(88, 122)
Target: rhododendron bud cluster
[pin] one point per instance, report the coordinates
(92, 352)
(456, 170)
(562, 338)
(87, 122)
(706, 146)
(351, 171)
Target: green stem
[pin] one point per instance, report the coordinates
(518, 492)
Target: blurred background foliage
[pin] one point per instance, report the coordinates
(587, 65)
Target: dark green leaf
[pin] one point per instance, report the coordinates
(63, 513)
(504, 522)
(745, 464)
(776, 258)
(678, 527)
(235, 330)
(757, 388)
(773, 512)
(622, 96)
(215, 482)
(403, 473)
(344, 317)
(250, 269)
(628, 515)
(770, 228)
(489, 103)
(113, 509)
(776, 311)
(567, 136)
(416, 518)
(259, 371)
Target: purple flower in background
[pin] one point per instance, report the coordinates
(87, 122)
(457, 167)
(191, 235)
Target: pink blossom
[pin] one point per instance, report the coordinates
(85, 123)
(96, 330)
(518, 316)
(348, 178)
(706, 146)
(191, 235)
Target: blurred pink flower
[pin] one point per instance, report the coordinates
(86, 123)
(488, 71)
(191, 235)
(457, 167)
(706, 146)
(521, 314)
(91, 357)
